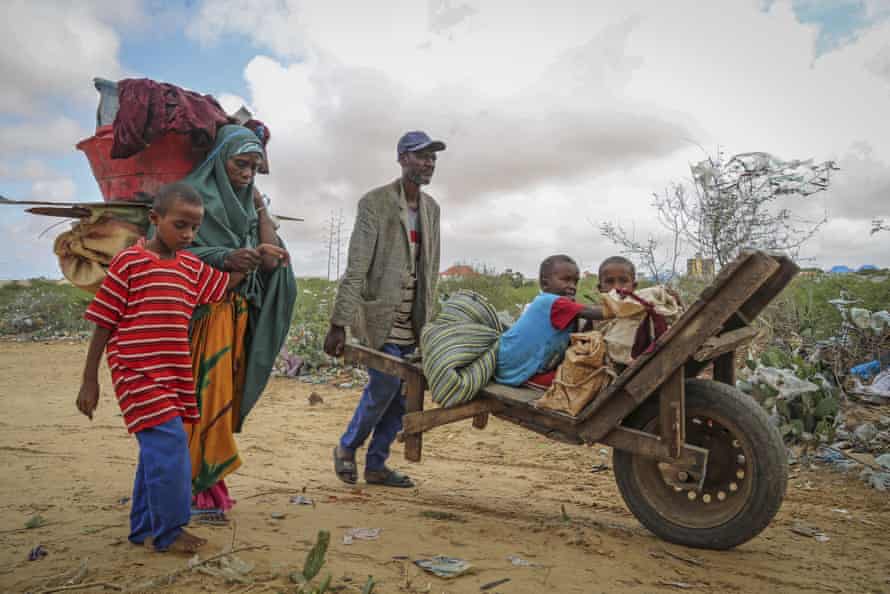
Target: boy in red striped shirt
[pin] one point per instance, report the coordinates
(142, 313)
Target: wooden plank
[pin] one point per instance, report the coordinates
(681, 341)
(672, 413)
(510, 394)
(728, 341)
(360, 355)
(413, 404)
(651, 446)
(685, 340)
(534, 415)
(418, 422)
(773, 286)
(532, 420)
(724, 368)
(525, 398)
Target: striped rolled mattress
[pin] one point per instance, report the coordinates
(460, 348)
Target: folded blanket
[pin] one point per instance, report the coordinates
(460, 348)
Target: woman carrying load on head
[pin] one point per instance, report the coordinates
(235, 342)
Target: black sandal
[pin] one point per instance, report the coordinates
(345, 468)
(388, 478)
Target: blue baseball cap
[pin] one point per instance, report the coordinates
(416, 140)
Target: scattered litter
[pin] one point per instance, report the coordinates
(346, 385)
(835, 458)
(838, 510)
(865, 432)
(876, 480)
(866, 371)
(35, 522)
(809, 531)
(680, 585)
(444, 567)
(37, 553)
(230, 568)
(277, 515)
(301, 500)
(883, 461)
(123, 501)
(315, 398)
(879, 390)
(494, 584)
(601, 467)
(520, 562)
(210, 517)
(360, 534)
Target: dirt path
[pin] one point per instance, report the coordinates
(504, 487)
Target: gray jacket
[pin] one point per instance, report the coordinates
(379, 257)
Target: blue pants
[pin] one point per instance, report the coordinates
(162, 493)
(380, 410)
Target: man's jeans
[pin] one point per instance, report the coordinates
(380, 410)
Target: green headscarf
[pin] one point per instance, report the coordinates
(230, 222)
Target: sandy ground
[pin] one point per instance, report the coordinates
(504, 486)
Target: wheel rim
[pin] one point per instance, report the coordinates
(729, 478)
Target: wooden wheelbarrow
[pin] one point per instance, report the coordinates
(696, 460)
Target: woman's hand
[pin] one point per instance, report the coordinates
(258, 201)
(242, 260)
(272, 254)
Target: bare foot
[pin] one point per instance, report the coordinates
(186, 543)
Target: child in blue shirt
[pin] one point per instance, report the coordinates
(531, 349)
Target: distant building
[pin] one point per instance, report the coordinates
(699, 267)
(867, 268)
(457, 272)
(840, 269)
(810, 272)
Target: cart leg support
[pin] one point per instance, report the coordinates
(672, 413)
(413, 404)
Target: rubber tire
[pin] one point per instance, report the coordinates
(769, 469)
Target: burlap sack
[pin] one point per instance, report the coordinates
(582, 375)
(86, 250)
(620, 332)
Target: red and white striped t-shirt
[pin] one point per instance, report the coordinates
(147, 303)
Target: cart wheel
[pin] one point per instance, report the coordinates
(745, 479)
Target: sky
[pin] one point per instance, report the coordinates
(558, 115)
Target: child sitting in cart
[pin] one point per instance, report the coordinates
(533, 347)
(640, 316)
(142, 312)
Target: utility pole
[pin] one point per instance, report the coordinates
(339, 240)
(330, 243)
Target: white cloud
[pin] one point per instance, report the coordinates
(554, 118)
(54, 190)
(555, 115)
(50, 50)
(28, 246)
(57, 135)
(27, 170)
(274, 24)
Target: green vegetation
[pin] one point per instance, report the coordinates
(799, 317)
(43, 309)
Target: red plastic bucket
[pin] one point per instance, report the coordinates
(169, 158)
